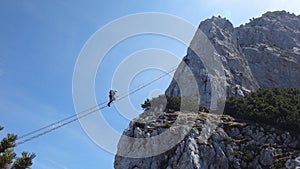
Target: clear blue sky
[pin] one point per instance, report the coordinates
(39, 44)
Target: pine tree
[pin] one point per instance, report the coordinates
(8, 159)
(146, 105)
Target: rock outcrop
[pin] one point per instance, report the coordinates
(271, 45)
(232, 143)
(228, 62)
(223, 38)
(262, 53)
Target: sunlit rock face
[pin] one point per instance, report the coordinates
(231, 143)
(221, 61)
(262, 53)
(271, 45)
(234, 77)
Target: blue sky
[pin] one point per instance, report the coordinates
(39, 45)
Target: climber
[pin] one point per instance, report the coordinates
(112, 97)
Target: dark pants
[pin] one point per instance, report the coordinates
(111, 99)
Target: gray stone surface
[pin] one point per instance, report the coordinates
(271, 45)
(262, 53)
(238, 78)
(223, 148)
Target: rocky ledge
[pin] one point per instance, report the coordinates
(232, 143)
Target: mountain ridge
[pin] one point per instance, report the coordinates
(263, 53)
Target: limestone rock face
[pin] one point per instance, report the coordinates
(271, 45)
(262, 53)
(225, 51)
(221, 61)
(213, 141)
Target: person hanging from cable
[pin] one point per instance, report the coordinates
(112, 97)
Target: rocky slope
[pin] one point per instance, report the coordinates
(231, 62)
(232, 143)
(223, 38)
(262, 53)
(271, 45)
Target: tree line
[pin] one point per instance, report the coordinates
(279, 107)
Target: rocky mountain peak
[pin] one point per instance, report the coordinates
(279, 15)
(262, 53)
(271, 45)
(278, 28)
(210, 26)
(223, 39)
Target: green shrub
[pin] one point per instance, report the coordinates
(275, 106)
(173, 103)
(146, 105)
